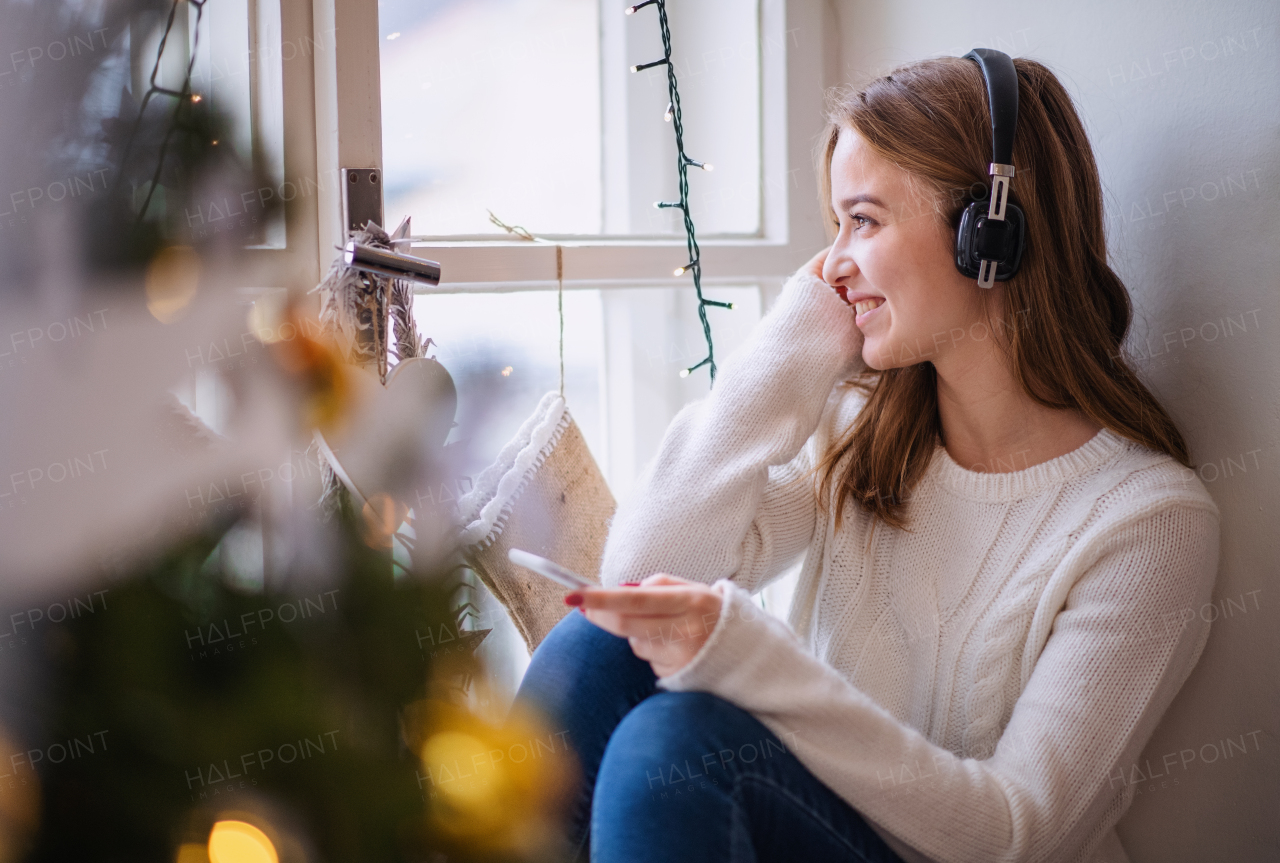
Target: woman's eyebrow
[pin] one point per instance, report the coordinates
(848, 203)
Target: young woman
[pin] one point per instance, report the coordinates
(998, 531)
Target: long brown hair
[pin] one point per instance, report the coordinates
(931, 119)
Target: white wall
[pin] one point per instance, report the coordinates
(1182, 102)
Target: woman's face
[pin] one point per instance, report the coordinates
(894, 261)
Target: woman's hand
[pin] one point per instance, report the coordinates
(814, 268)
(855, 337)
(666, 619)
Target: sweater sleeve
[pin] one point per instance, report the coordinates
(729, 494)
(1057, 779)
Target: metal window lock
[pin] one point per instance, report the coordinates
(361, 198)
(362, 204)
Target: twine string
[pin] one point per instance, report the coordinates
(560, 308)
(525, 234)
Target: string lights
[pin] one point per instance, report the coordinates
(683, 163)
(181, 95)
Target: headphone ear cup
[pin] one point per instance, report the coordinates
(966, 262)
(979, 237)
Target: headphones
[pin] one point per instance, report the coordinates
(989, 245)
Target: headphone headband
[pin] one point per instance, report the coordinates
(989, 248)
(1002, 97)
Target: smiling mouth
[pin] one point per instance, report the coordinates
(864, 306)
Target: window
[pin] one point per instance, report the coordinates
(237, 69)
(527, 108)
(233, 48)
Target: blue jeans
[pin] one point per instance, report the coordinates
(679, 776)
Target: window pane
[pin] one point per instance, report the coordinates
(716, 57)
(527, 108)
(651, 335)
(624, 349)
(238, 70)
(503, 353)
(491, 104)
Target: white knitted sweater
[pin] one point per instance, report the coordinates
(979, 688)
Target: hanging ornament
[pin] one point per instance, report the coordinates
(370, 316)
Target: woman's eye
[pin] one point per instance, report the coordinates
(859, 221)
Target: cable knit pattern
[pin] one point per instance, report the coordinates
(977, 686)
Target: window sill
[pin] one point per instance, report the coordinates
(476, 265)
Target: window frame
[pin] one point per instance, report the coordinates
(298, 46)
(797, 40)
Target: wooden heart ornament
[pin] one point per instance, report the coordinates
(392, 434)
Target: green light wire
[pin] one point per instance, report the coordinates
(183, 98)
(682, 166)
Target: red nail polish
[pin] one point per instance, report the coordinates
(629, 584)
(573, 599)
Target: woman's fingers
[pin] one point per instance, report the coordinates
(653, 634)
(662, 578)
(665, 619)
(651, 601)
(609, 621)
(814, 267)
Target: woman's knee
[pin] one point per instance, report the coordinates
(579, 663)
(676, 736)
(578, 642)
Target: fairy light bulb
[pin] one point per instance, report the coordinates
(639, 66)
(240, 842)
(670, 113)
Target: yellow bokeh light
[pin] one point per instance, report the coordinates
(172, 278)
(481, 794)
(192, 852)
(19, 806)
(495, 788)
(240, 842)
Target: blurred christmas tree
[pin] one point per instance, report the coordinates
(197, 700)
(322, 715)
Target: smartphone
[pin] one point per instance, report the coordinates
(549, 569)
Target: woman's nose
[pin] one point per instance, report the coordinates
(839, 267)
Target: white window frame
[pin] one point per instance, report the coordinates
(298, 46)
(797, 38)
